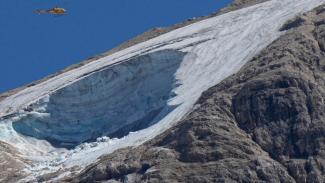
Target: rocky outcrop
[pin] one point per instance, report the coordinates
(281, 103)
(11, 164)
(266, 123)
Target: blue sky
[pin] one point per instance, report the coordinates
(33, 46)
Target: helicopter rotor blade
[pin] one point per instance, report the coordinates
(39, 11)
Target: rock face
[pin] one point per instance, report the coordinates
(264, 124)
(11, 164)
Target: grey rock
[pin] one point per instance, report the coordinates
(11, 164)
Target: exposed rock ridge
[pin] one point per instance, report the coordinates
(264, 124)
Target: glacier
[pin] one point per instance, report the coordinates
(130, 97)
(115, 100)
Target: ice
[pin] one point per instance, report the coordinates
(113, 101)
(214, 49)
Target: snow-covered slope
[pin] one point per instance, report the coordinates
(145, 88)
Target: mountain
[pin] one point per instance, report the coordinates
(237, 96)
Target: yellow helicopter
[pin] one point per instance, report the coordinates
(54, 11)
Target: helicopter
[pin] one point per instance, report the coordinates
(54, 11)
